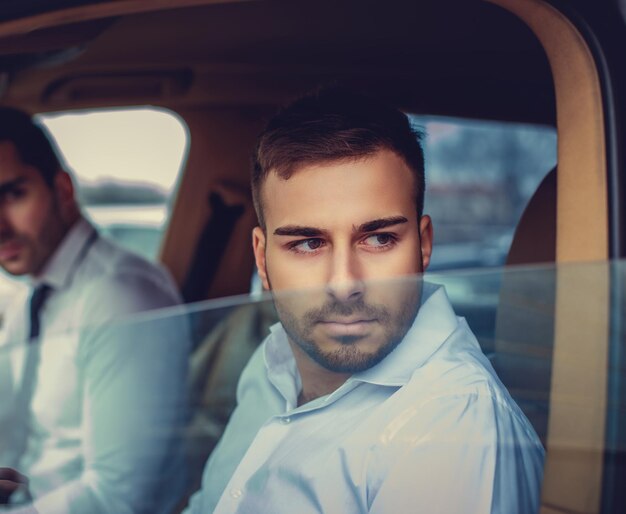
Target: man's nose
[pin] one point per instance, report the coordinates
(345, 282)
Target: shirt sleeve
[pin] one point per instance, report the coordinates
(134, 376)
(466, 453)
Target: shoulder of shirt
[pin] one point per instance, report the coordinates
(111, 272)
(108, 259)
(477, 400)
(458, 369)
(460, 374)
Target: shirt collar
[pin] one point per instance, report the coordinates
(281, 365)
(59, 269)
(434, 323)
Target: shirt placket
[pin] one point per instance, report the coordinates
(269, 437)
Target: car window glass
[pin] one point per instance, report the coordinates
(225, 333)
(126, 163)
(479, 177)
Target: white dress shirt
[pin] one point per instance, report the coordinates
(100, 434)
(430, 429)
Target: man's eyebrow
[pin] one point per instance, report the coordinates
(298, 230)
(7, 186)
(369, 226)
(373, 225)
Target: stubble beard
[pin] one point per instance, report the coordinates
(349, 356)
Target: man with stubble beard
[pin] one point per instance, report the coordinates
(91, 404)
(370, 395)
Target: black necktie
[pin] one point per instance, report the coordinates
(37, 300)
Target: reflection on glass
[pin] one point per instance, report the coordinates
(481, 174)
(435, 410)
(368, 405)
(93, 416)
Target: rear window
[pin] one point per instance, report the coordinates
(126, 163)
(479, 177)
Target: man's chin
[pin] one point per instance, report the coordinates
(347, 363)
(349, 354)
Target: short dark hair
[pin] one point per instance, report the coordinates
(330, 125)
(32, 142)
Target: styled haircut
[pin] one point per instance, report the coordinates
(331, 125)
(32, 142)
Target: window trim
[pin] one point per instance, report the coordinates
(576, 428)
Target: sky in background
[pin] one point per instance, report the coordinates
(143, 145)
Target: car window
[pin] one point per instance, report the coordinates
(127, 163)
(226, 333)
(479, 177)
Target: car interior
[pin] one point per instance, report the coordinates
(224, 66)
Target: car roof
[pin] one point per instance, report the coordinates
(467, 58)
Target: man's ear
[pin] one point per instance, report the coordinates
(65, 194)
(426, 240)
(258, 246)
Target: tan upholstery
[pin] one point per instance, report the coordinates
(215, 367)
(534, 241)
(578, 382)
(524, 332)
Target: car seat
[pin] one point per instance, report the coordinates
(524, 332)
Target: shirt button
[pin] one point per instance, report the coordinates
(286, 420)
(235, 493)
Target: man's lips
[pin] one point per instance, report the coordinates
(337, 327)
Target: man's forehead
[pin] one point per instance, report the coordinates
(369, 188)
(381, 160)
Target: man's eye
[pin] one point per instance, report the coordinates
(306, 245)
(382, 240)
(13, 194)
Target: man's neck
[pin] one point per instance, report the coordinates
(316, 380)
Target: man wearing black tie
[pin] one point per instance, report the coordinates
(91, 403)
